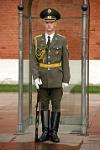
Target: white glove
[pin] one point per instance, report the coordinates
(64, 85)
(37, 82)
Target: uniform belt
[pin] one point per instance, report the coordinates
(50, 65)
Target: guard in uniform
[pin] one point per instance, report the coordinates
(50, 67)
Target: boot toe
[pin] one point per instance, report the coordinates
(55, 138)
(43, 137)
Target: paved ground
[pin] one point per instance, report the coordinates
(8, 121)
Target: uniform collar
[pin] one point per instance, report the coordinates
(55, 39)
(51, 36)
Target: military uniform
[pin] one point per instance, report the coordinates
(51, 65)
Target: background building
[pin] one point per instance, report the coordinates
(67, 26)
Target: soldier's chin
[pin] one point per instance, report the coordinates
(50, 30)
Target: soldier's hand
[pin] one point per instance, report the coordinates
(37, 82)
(64, 85)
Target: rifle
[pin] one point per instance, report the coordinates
(37, 117)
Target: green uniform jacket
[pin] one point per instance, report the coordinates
(57, 52)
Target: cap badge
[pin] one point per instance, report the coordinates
(49, 10)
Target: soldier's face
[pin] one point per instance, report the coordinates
(50, 26)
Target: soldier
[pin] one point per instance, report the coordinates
(50, 67)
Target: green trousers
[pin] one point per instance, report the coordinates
(50, 94)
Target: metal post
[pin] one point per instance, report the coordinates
(88, 60)
(20, 94)
(30, 73)
(84, 56)
(30, 49)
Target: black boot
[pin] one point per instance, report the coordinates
(45, 126)
(55, 118)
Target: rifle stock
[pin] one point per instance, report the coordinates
(37, 117)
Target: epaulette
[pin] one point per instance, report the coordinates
(61, 35)
(38, 36)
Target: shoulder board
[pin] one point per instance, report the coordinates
(38, 36)
(61, 35)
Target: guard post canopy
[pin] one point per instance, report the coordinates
(29, 26)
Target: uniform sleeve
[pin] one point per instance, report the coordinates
(65, 62)
(34, 63)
